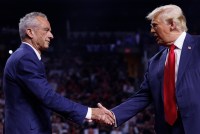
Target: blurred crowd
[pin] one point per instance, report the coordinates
(92, 67)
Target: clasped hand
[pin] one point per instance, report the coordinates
(103, 115)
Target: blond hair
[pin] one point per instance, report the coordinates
(170, 13)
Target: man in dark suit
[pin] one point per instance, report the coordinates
(175, 93)
(29, 98)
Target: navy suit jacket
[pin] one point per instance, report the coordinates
(151, 90)
(29, 99)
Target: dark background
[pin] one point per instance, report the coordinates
(94, 15)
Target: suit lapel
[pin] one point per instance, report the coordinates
(33, 55)
(188, 47)
(162, 63)
(25, 46)
(28, 48)
(161, 69)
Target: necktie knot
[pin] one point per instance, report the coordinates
(172, 47)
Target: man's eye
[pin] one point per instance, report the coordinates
(46, 29)
(154, 25)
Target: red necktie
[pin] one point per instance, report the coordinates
(170, 107)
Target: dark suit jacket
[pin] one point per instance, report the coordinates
(29, 97)
(187, 90)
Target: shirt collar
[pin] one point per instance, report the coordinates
(36, 52)
(179, 42)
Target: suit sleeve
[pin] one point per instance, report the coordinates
(134, 104)
(31, 76)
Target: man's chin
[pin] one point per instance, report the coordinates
(158, 42)
(46, 47)
(161, 44)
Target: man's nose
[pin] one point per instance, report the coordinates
(152, 30)
(51, 36)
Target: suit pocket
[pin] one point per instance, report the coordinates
(40, 126)
(34, 124)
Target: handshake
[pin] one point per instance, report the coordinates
(103, 115)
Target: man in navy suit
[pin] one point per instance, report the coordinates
(168, 25)
(29, 99)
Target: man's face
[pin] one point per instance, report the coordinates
(42, 34)
(160, 30)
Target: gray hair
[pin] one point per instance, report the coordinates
(170, 13)
(29, 21)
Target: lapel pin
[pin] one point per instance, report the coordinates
(189, 47)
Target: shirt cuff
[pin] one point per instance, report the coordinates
(89, 114)
(115, 125)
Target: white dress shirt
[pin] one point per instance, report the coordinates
(179, 44)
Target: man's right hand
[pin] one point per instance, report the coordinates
(103, 115)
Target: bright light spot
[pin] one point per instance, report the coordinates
(10, 51)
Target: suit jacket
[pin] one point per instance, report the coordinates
(29, 99)
(151, 90)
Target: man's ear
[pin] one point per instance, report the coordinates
(30, 32)
(172, 25)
